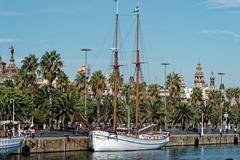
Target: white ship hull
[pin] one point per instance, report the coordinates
(106, 141)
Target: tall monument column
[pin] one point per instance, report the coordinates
(212, 81)
(11, 69)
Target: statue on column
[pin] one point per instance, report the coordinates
(12, 53)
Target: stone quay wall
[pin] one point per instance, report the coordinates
(56, 144)
(208, 139)
(81, 143)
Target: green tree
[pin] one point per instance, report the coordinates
(152, 112)
(197, 97)
(173, 85)
(8, 83)
(62, 82)
(80, 84)
(182, 115)
(230, 94)
(65, 107)
(50, 66)
(27, 74)
(23, 105)
(215, 98)
(42, 111)
(98, 86)
(153, 91)
(237, 100)
(107, 111)
(208, 114)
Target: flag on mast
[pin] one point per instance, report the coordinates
(81, 70)
(136, 9)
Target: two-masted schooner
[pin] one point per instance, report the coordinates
(111, 141)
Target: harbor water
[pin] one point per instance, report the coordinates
(205, 152)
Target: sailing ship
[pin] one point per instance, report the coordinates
(101, 140)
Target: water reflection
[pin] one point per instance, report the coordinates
(6, 151)
(174, 153)
(138, 155)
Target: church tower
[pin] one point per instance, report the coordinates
(199, 78)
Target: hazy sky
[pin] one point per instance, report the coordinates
(181, 32)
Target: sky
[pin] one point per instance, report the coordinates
(180, 32)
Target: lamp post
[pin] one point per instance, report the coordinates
(226, 120)
(13, 109)
(13, 114)
(85, 50)
(165, 95)
(205, 104)
(202, 125)
(222, 91)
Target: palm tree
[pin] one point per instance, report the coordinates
(182, 115)
(231, 115)
(64, 107)
(28, 74)
(230, 94)
(215, 98)
(173, 85)
(110, 81)
(80, 84)
(237, 100)
(153, 91)
(62, 82)
(8, 83)
(98, 86)
(196, 97)
(153, 112)
(107, 111)
(50, 66)
(43, 112)
(208, 113)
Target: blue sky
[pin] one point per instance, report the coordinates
(181, 32)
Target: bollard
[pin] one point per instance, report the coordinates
(25, 150)
(235, 141)
(196, 142)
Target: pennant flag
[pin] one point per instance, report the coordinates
(136, 9)
(81, 70)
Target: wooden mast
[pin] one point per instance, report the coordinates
(138, 63)
(116, 71)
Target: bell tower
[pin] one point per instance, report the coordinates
(199, 77)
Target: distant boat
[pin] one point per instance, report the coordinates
(9, 143)
(113, 141)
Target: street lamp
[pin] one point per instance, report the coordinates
(85, 50)
(13, 109)
(222, 91)
(205, 104)
(226, 120)
(165, 72)
(13, 114)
